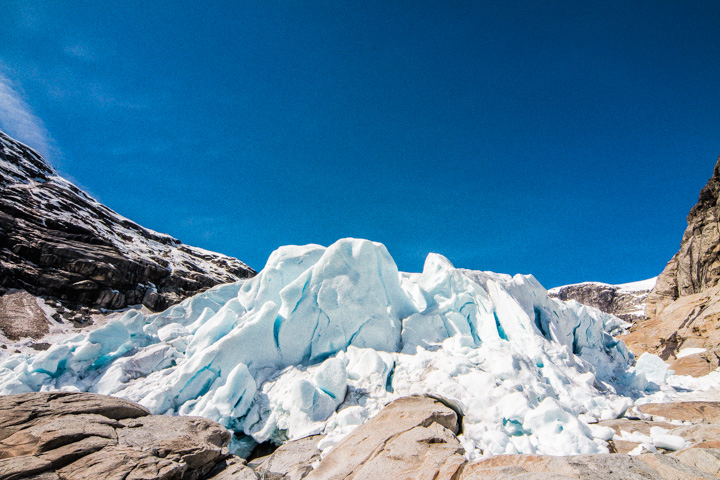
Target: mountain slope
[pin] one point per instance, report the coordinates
(695, 268)
(56, 241)
(684, 307)
(626, 301)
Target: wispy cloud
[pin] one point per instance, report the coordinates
(80, 51)
(18, 120)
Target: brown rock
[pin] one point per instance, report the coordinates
(21, 316)
(696, 412)
(605, 467)
(690, 321)
(195, 441)
(697, 434)
(632, 426)
(233, 468)
(120, 463)
(411, 438)
(695, 268)
(704, 459)
(90, 436)
(292, 460)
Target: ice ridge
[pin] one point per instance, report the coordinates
(322, 338)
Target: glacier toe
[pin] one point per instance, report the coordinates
(322, 338)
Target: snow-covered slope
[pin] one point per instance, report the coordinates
(57, 241)
(626, 301)
(322, 338)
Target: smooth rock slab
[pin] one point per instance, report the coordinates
(411, 438)
(584, 467)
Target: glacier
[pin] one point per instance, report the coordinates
(323, 337)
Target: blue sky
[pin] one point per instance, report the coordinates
(564, 139)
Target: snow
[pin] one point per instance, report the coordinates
(641, 286)
(322, 338)
(686, 352)
(638, 287)
(654, 369)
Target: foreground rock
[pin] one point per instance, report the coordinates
(412, 438)
(88, 436)
(625, 301)
(56, 241)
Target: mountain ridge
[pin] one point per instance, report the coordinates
(57, 241)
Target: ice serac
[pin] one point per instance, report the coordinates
(56, 241)
(322, 338)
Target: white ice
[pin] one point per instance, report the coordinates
(322, 338)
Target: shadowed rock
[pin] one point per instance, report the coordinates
(57, 241)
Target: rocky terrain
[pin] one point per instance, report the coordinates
(695, 268)
(684, 306)
(625, 301)
(58, 242)
(88, 436)
(85, 436)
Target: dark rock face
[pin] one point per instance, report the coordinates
(88, 436)
(628, 304)
(696, 267)
(56, 241)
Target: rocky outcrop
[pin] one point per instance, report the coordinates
(78, 436)
(695, 268)
(291, 461)
(686, 334)
(56, 241)
(624, 301)
(412, 438)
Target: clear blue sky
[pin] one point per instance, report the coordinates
(563, 139)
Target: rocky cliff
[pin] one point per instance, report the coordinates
(695, 268)
(56, 241)
(626, 301)
(684, 307)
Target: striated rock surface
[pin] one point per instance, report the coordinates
(686, 334)
(412, 438)
(695, 268)
(88, 436)
(57, 241)
(625, 301)
(291, 461)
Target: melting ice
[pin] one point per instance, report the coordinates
(322, 338)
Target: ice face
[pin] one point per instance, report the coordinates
(322, 338)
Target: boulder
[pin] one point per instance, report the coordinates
(89, 436)
(411, 438)
(22, 317)
(292, 460)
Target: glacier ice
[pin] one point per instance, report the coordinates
(322, 338)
